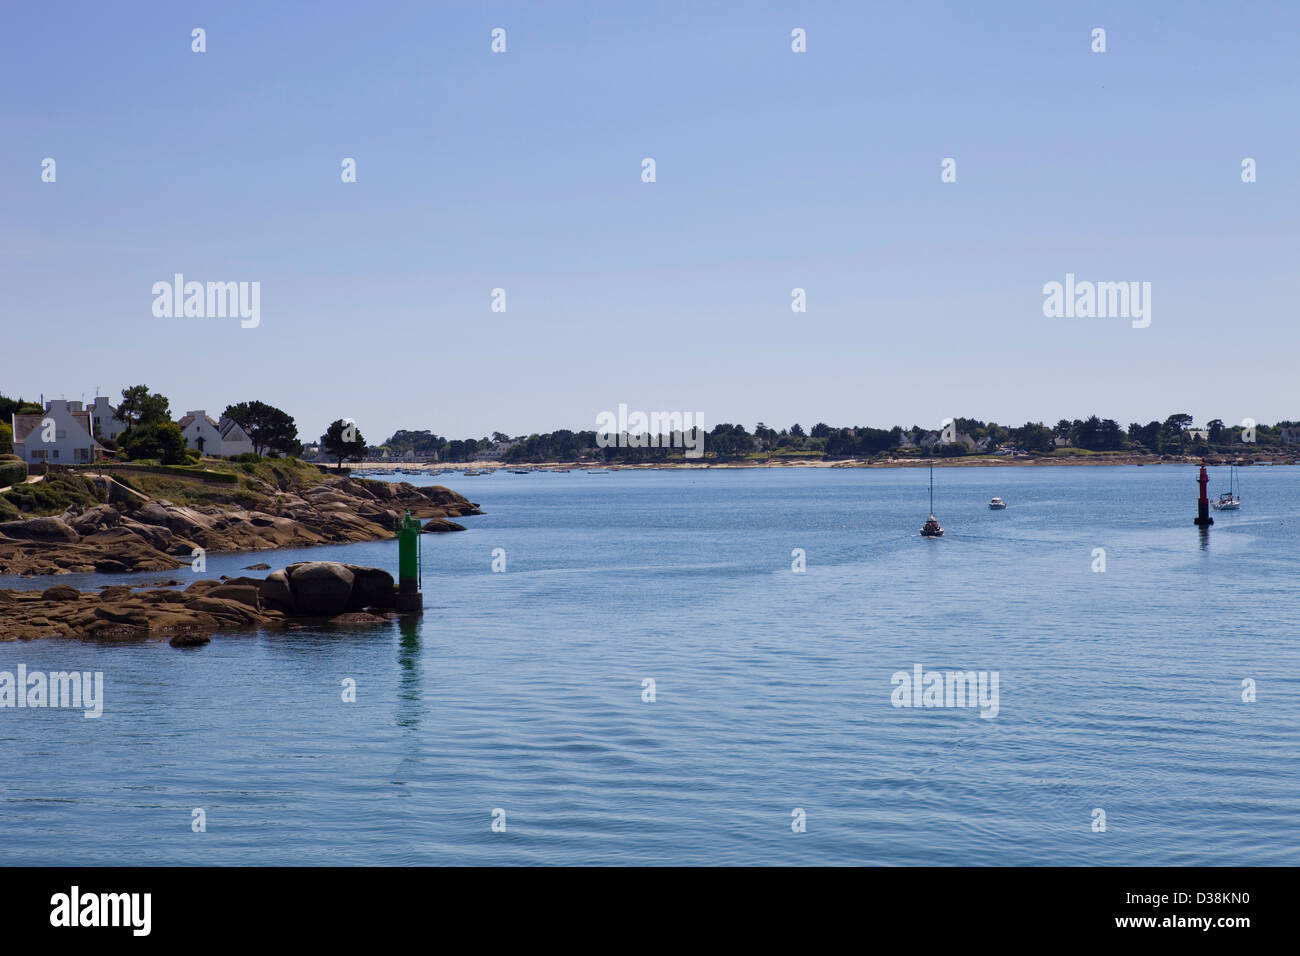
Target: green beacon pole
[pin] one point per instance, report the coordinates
(409, 597)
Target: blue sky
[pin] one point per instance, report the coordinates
(775, 170)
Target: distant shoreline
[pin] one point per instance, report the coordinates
(389, 467)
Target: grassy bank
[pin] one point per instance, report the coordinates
(248, 484)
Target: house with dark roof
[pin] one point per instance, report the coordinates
(63, 435)
(214, 438)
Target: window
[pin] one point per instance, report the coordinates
(56, 453)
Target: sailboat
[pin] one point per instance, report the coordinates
(1230, 500)
(931, 528)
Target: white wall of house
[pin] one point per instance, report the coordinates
(101, 417)
(202, 433)
(207, 436)
(235, 440)
(58, 437)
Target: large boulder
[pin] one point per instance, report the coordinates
(39, 529)
(189, 639)
(188, 522)
(225, 610)
(320, 587)
(276, 593)
(60, 592)
(98, 518)
(151, 512)
(373, 587)
(442, 524)
(244, 594)
(123, 614)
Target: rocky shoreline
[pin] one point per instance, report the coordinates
(132, 532)
(304, 594)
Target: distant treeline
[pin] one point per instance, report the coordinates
(963, 436)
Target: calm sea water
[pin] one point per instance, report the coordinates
(522, 690)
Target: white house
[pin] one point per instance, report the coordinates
(497, 449)
(103, 419)
(64, 435)
(234, 440)
(214, 438)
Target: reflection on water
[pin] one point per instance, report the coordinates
(408, 662)
(409, 705)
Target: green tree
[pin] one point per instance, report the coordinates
(1111, 435)
(6, 439)
(1032, 436)
(269, 428)
(343, 441)
(1087, 433)
(139, 407)
(1148, 436)
(161, 440)
(16, 406)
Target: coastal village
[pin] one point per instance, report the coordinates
(71, 432)
(71, 504)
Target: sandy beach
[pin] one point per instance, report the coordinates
(1270, 457)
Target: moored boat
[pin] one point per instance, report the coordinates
(931, 528)
(1230, 500)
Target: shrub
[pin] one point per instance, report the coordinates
(13, 471)
(163, 442)
(53, 495)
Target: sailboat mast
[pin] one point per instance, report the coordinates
(932, 487)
